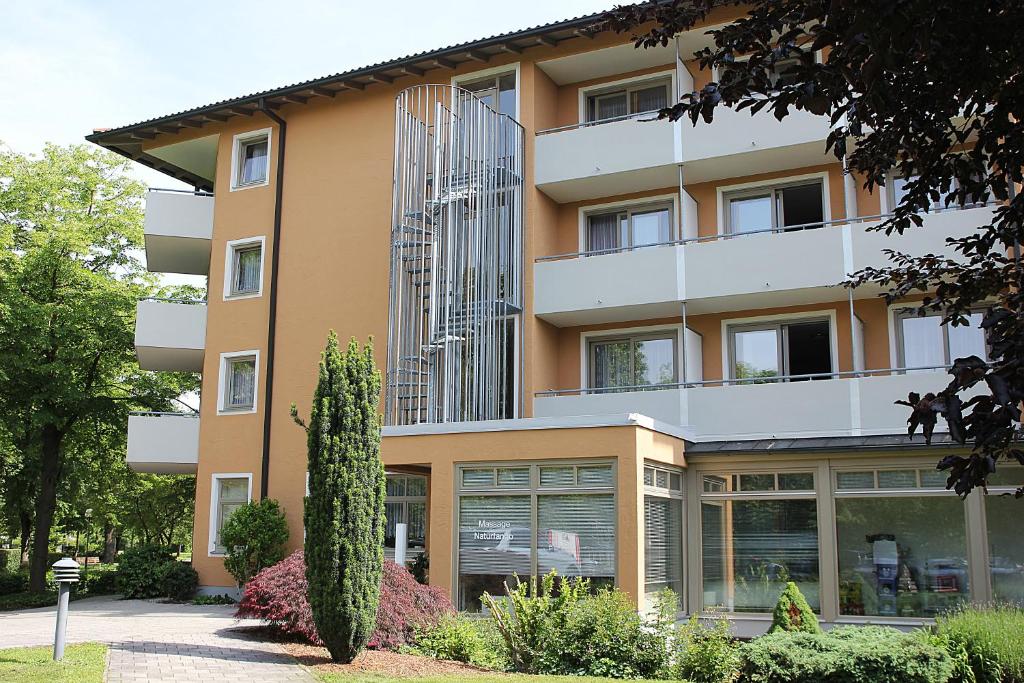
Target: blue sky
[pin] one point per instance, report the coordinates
(67, 67)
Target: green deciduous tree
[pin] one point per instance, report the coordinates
(931, 90)
(70, 235)
(255, 536)
(345, 509)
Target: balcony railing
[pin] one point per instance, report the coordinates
(651, 115)
(720, 237)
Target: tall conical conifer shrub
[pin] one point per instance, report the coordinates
(345, 508)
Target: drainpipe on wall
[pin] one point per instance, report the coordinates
(268, 391)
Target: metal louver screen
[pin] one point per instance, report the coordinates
(663, 552)
(494, 535)
(576, 534)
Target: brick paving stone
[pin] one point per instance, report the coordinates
(152, 641)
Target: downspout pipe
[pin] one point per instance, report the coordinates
(275, 263)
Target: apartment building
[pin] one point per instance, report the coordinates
(612, 346)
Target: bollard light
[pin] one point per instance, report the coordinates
(401, 543)
(65, 573)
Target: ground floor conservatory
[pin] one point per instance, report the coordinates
(866, 529)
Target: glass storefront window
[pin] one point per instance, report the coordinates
(1006, 552)
(900, 556)
(406, 503)
(751, 548)
(565, 521)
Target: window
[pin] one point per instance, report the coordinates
(250, 166)
(498, 92)
(663, 532)
(626, 100)
(924, 342)
(238, 382)
(766, 350)
(230, 492)
(526, 520)
(894, 560)
(798, 205)
(1005, 551)
(406, 503)
(630, 227)
(633, 361)
(758, 531)
(244, 268)
(897, 190)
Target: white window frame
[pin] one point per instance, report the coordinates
(230, 249)
(630, 83)
(211, 549)
(514, 67)
(781, 318)
(225, 359)
(628, 205)
(237, 143)
(597, 335)
(723, 193)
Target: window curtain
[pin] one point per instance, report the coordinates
(612, 364)
(254, 163)
(650, 99)
(243, 384)
(247, 270)
(603, 232)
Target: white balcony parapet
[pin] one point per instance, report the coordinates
(732, 272)
(846, 404)
(163, 443)
(170, 334)
(604, 158)
(178, 231)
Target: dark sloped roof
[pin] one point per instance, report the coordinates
(127, 140)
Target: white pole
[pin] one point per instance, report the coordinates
(401, 543)
(65, 572)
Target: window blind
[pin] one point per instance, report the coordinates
(494, 535)
(576, 534)
(663, 551)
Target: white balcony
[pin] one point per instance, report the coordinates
(728, 274)
(737, 144)
(849, 406)
(170, 335)
(163, 443)
(584, 162)
(178, 232)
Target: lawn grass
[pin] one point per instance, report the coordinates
(481, 678)
(82, 663)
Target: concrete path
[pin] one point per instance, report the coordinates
(152, 641)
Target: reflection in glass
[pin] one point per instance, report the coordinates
(751, 548)
(650, 227)
(756, 354)
(895, 560)
(654, 362)
(494, 544)
(663, 545)
(750, 214)
(1006, 552)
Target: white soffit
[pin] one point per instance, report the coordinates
(609, 61)
(198, 156)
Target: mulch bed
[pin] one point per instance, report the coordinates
(381, 661)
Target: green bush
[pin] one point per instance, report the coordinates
(255, 536)
(10, 560)
(99, 580)
(991, 639)
(704, 654)
(569, 631)
(138, 573)
(792, 613)
(12, 582)
(849, 654)
(178, 581)
(460, 639)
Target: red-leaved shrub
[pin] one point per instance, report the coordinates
(278, 595)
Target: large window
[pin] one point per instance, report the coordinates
(498, 92)
(901, 542)
(625, 100)
(629, 227)
(1005, 550)
(924, 342)
(663, 532)
(762, 351)
(790, 206)
(230, 492)
(518, 521)
(406, 503)
(758, 531)
(633, 361)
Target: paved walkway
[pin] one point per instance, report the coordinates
(152, 641)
